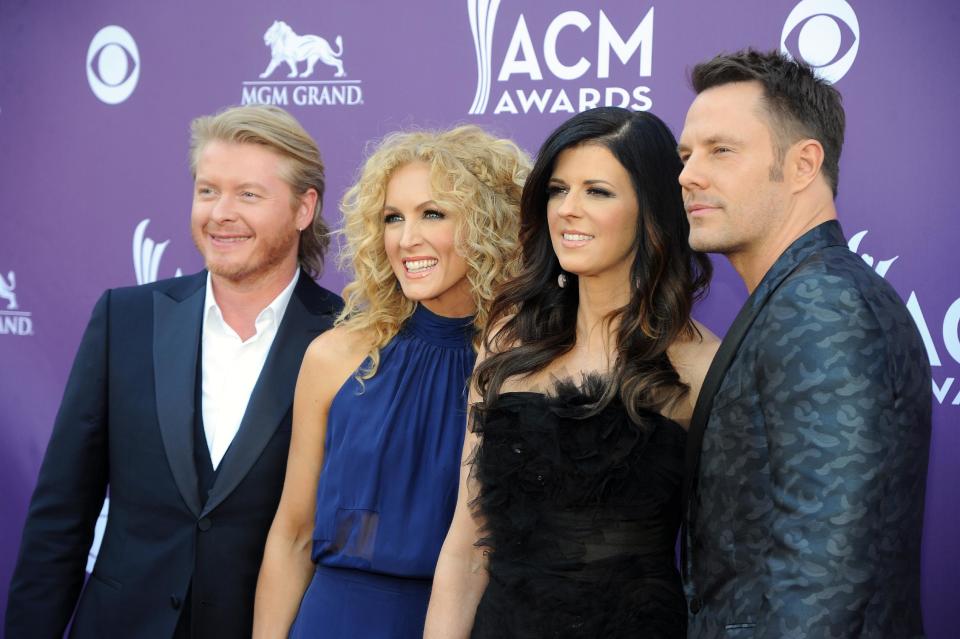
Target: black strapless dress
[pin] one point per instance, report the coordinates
(582, 514)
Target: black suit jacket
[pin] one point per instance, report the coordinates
(807, 458)
(126, 421)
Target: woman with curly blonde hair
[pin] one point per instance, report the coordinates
(380, 408)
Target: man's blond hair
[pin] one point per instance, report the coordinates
(274, 128)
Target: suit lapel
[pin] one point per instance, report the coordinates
(822, 236)
(272, 396)
(176, 339)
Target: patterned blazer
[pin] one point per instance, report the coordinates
(807, 458)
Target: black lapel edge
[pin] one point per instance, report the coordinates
(267, 408)
(810, 243)
(176, 340)
(821, 237)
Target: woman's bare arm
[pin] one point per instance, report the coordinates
(461, 574)
(287, 567)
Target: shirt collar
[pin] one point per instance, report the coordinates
(273, 312)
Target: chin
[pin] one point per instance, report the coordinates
(574, 267)
(415, 294)
(703, 243)
(232, 272)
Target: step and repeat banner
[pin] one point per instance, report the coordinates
(95, 192)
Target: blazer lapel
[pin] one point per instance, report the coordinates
(822, 236)
(176, 339)
(272, 396)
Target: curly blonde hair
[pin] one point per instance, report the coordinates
(471, 172)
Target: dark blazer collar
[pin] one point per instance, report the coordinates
(177, 325)
(308, 314)
(177, 320)
(818, 238)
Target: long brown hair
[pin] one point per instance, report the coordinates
(534, 320)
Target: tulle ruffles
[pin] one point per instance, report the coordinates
(581, 511)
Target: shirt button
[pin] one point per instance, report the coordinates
(204, 524)
(175, 602)
(695, 605)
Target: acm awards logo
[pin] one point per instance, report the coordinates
(823, 33)
(303, 57)
(113, 64)
(13, 319)
(570, 83)
(147, 255)
(946, 389)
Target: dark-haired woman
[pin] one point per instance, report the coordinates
(569, 503)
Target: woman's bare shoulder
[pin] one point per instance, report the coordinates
(336, 349)
(691, 358)
(694, 354)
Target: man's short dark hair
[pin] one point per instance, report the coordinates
(800, 104)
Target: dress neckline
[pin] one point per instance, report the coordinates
(524, 398)
(451, 332)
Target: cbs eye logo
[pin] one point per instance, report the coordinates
(113, 64)
(823, 33)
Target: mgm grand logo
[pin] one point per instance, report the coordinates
(306, 83)
(13, 319)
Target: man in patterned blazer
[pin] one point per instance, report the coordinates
(807, 454)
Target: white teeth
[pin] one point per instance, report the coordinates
(230, 239)
(576, 237)
(414, 266)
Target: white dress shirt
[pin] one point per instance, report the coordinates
(231, 367)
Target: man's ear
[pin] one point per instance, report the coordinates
(803, 163)
(305, 209)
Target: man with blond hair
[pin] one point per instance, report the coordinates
(180, 403)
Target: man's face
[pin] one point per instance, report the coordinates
(245, 218)
(727, 149)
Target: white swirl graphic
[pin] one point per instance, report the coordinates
(880, 266)
(147, 254)
(113, 64)
(821, 38)
(483, 16)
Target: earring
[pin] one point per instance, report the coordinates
(562, 280)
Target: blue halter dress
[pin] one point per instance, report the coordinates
(389, 485)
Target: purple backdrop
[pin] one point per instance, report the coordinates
(94, 124)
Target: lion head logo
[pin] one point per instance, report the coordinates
(286, 46)
(6, 290)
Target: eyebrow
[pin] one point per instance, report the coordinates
(419, 207)
(712, 140)
(246, 185)
(252, 185)
(587, 182)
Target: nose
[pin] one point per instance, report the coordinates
(410, 236)
(692, 177)
(222, 210)
(568, 204)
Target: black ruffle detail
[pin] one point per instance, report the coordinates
(581, 511)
